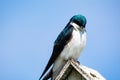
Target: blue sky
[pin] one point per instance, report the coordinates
(28, 29)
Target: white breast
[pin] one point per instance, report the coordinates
(75, 46)
(71, 50)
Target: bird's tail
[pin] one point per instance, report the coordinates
(47, 67)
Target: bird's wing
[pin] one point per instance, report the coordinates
(59, 44)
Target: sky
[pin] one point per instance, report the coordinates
(28, 29)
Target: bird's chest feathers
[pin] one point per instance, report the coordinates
(74, 46)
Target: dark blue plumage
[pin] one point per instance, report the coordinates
(63, 38)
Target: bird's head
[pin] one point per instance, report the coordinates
(79, 20)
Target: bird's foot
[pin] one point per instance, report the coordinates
(71, 59)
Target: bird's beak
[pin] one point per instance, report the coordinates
(81, 28)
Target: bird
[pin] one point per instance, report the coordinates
(68, 45)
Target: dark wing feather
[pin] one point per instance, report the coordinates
(59, 44)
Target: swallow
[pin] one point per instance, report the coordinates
(68, 45)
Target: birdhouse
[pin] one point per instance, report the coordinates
(72, 70)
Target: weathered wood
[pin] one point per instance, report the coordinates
(74, 71)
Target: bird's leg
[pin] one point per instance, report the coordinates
(71, 59)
